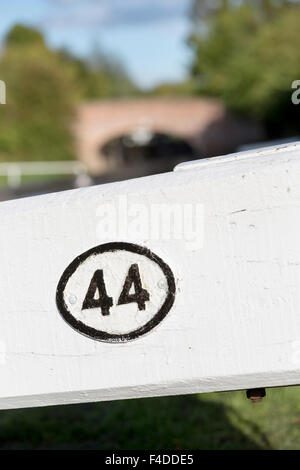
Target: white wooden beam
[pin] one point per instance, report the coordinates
(199, 308)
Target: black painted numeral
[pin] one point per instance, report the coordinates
(140, 295)
(133, 279)
(103, 301)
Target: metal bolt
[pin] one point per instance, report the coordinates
(162, 283)
(256, 394)
(72, 299)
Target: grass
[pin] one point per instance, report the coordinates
(27, 179)
(209, 421)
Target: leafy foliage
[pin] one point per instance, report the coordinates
(41, 94)
(249, 56)
(43, 89)
(100, 76)
(167, 89)
(21, 35)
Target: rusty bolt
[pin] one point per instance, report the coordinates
(256, 394)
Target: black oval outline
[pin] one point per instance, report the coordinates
(103, 335)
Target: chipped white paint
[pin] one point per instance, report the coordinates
(235, 322)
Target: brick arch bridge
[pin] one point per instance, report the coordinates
(203, 123)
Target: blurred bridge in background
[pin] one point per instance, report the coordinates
(111, 135)
(124, 139)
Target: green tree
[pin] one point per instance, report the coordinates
(249, 55)
(260, 80)
(100, 76)
(203, 9)
(184, 88)
(230, 32)
(41, 95)
(43, 89)
(21, 35)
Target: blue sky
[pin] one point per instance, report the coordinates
(147, 35)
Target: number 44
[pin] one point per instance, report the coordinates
(133, 278)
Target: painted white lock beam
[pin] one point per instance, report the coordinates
(177, 283)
